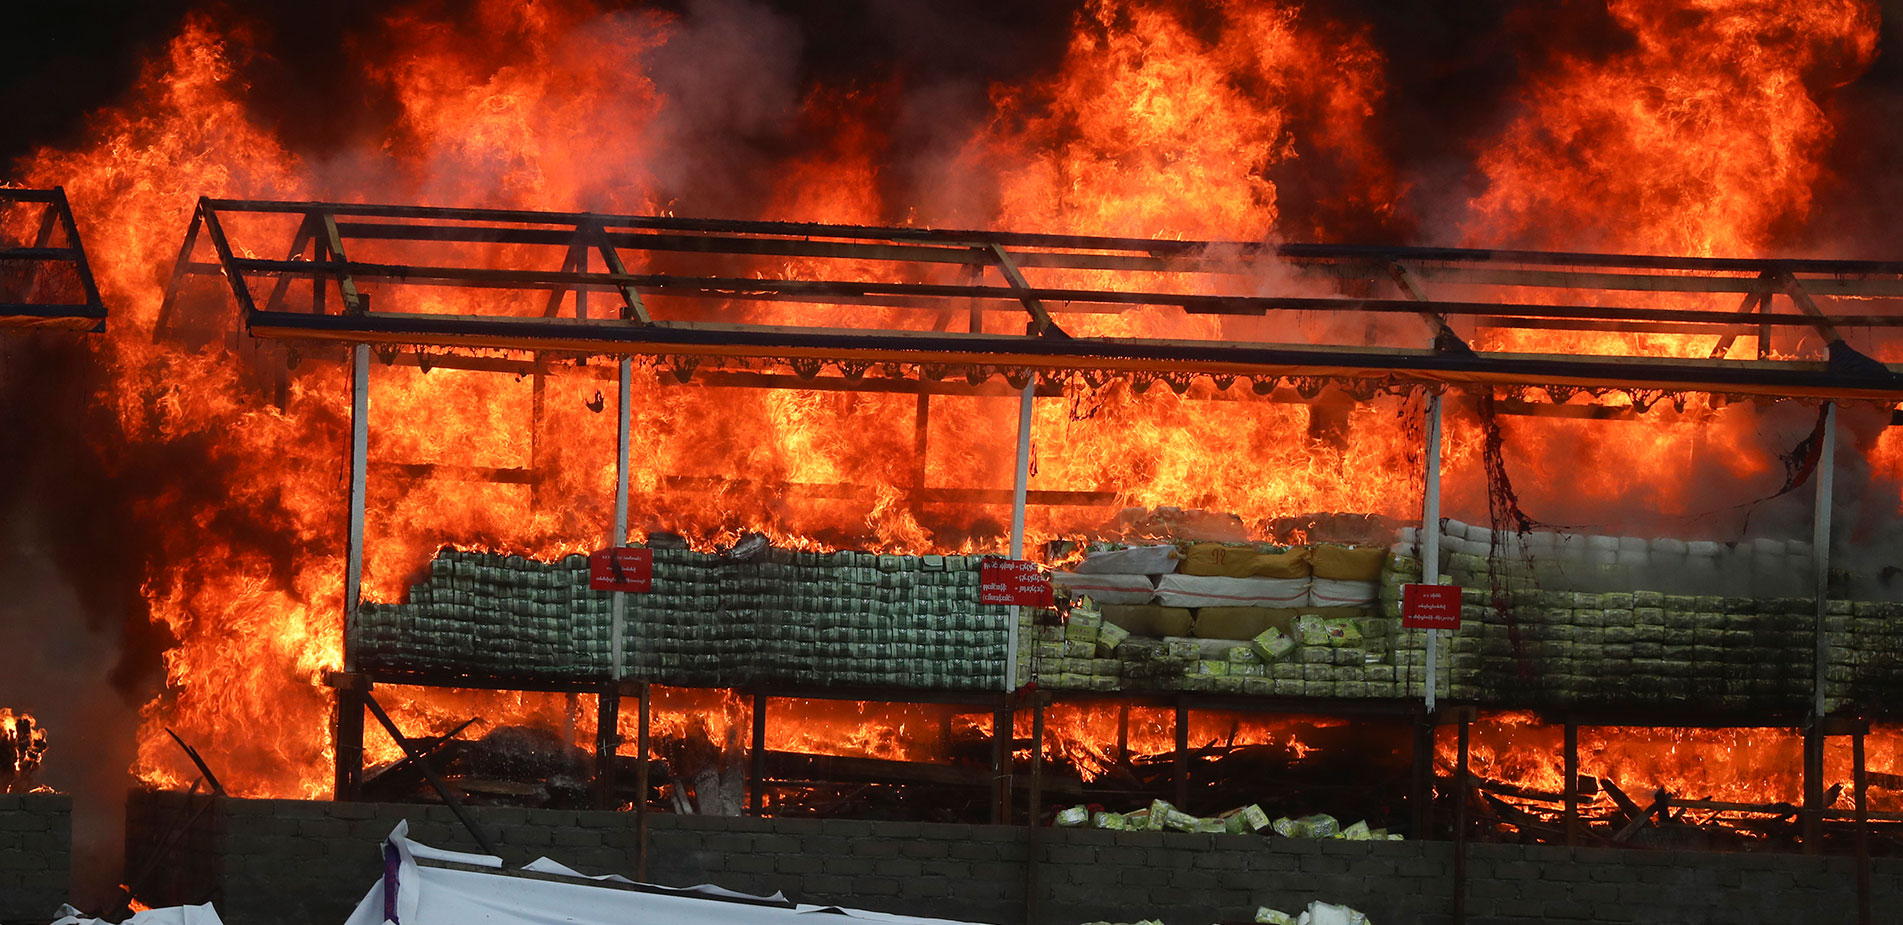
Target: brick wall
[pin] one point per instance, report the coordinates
(36, 853)
(294, 862)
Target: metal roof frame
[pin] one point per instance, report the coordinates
(912, 265)
(56, 218)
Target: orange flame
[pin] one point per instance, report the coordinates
(1699, 139)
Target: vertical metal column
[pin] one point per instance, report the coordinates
(756, 770)
(1814, 738)
(1035, 818)
(1430, 538)
(1003, 735)
(607, 740)
(347, 746)
(642, 742)
(1820, 547)
(1572, 780)
(359, 465)
(1460, 823)
(1180, 766)
(618, 606)
(1021, 484)
(1860, 781)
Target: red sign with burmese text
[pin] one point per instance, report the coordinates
(1014, 582)
(1430, 607)
(623, 568)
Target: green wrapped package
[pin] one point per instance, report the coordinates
(1109, 637)
(1271, 645)
(1342, 632)
(1073, 816)
(1310, 630)
(1264, 914)
(1245, 819)
(1212, 669)
(1211, 826)
(1356, 832)
(1109, 820)
(1159, 812)
(1244, 655)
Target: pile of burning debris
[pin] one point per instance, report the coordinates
(22, 750)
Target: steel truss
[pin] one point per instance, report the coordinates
(37, 279)
(680, 288)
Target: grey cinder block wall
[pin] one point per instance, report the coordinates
(36, 856)
(289, 862)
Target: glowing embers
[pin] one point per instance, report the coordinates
(1670, 786)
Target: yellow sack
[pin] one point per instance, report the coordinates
(1291, 564)
(1347, 563)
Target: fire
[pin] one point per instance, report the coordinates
(22, 749)
(1159, 120)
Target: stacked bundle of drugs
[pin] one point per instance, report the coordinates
(485, 613)
(1863, 663)
(801, 618)
(1759, 567)
(1520, 645)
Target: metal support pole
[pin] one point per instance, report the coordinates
(1181, 767)
(1430, 537)
(1813, 821)
(642, 743)
(1860, 781)
(1003, 721)
(1820, 549)
(1572, 781)
(1813, 827)
(1123, 732)
(757, 765)
(359, 465)
(347, 783)
(1021, 484)
(618, 605)
(1423, 808)
(1035, 818)
(1460, 825)
(607, 740)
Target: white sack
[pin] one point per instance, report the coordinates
(1107, 589)
(1216, 591)
(1140, 560)
(1332, 592)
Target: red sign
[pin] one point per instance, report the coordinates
(623, 568)
(1013, 581)
(1430, 607)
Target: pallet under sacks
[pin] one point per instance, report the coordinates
(844, 619)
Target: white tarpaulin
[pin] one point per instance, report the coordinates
(173, 915)
(547, 893)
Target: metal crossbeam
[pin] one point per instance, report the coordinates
(31, 271)
(694, 276)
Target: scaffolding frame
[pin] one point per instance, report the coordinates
(1376, 281)
(43, 255)
(912, 266)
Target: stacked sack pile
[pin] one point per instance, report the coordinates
(1863, 665)
(1231, 618)
(482, 613)
(790, 617)
(1569, 620)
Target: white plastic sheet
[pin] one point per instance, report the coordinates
(170, 915)
(429, 895)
